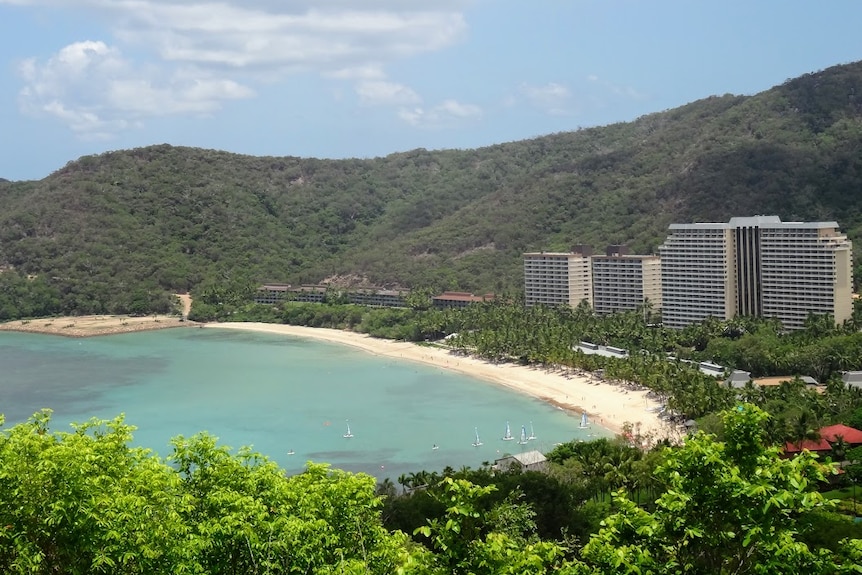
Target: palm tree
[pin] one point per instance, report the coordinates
(804, 428)
(403, 481)
(838, 449)
(385, 489)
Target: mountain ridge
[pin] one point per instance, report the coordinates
(175, 218)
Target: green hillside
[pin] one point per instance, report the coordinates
(164, 218)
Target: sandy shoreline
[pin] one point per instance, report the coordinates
(93, 325)
(608, 405)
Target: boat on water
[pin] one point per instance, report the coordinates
(532, 433)
(523, 440)
(349, 434)
(478, 442)
(508, 436)
(435, 447)
(584, 421)
(291, 452)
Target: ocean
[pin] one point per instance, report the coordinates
(291, 399)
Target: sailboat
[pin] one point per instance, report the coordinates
(508, 436)
(584, 422)
(532, 434)
(523, 440)
(348, 435)
(477, 443)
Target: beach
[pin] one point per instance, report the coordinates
(102, 324)
(93, 325)
(608, 405)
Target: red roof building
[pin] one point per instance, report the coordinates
(828, 435)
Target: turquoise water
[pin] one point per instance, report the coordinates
(277, 394)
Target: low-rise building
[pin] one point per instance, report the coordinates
(277, 293)
(459, 299)
(850, 436)
(852, 379)
(527, 461)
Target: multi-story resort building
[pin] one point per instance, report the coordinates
(755, 266)
(610, 283)
(554, 278)
(623, 282)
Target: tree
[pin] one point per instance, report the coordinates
(728, 507)
(463, 546)
(85, 502)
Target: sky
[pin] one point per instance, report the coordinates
(367, 78)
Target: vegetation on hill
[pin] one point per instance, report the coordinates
(164, 219)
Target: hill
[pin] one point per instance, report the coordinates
(166, 219)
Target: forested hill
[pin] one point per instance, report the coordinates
(169, 218)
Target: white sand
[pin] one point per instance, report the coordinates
(608, 405)
(94, 325)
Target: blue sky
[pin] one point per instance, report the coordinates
(366, 78)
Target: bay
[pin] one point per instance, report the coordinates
(289, 398)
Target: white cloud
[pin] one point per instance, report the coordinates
(94, 90)
(280, 36)
(448, 114)
(202, 52)
(380, 92)
(551, 98)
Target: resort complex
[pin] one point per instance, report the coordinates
(749, 266)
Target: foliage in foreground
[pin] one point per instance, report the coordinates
(86, 502)
(728, 507)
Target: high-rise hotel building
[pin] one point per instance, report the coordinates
(552, 278)
(608, 283)
(623, 282)
(755, 266)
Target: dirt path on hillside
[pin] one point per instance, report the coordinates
(186, 301)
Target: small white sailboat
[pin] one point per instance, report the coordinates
(523, 440)
(532, 434)
(348, 435)
(584, 422)
(508, 436)
(477, 443)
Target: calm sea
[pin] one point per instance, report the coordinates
(277, 394)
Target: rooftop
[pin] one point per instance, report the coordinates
(527, 458)
(828, 435)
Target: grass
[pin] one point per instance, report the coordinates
(849, 500)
